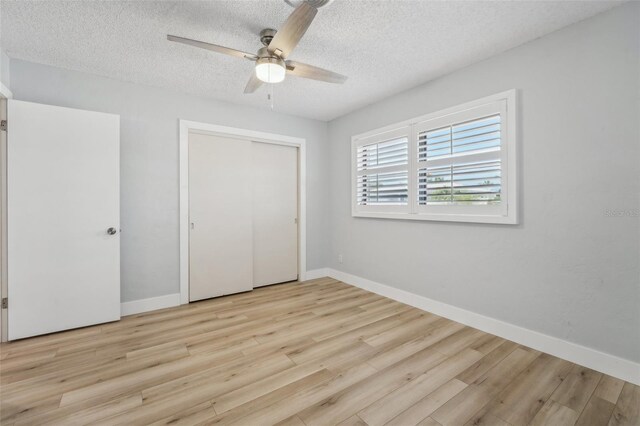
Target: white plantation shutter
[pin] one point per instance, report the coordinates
(471, 183)
(383, 154)
(478, 135)
(468, 170)
(383, 189)
(382, 171)
(457, 164)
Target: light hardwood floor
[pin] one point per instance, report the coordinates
(313, 353)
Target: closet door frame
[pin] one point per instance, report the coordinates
(187, 127)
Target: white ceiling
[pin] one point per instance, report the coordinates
(383, 46)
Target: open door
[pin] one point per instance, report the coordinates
(63, 218)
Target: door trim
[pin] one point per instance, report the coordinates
(187, 126)
(5, 94)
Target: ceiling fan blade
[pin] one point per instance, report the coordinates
(252, 84)
(309, 71)
(287, 37)
(213, 47)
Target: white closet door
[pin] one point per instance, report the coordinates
(275, 206)
(63, 197)
(220, 212)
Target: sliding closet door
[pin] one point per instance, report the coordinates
(275, 207)
(220, 215)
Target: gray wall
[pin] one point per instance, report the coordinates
(5, 71)
(568, 270)
(149, 163)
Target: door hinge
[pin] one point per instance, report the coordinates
(3, 125)
(5, 303)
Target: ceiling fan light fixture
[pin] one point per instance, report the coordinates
(270, 70)
(270, 65)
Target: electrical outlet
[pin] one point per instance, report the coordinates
(339, 258)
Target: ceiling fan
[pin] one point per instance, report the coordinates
(271, 60)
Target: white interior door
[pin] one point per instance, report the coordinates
(63, 196)
(275, 206)
(220, 215)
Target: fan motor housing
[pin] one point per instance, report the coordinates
(315, 3)
(266, 36)
(271, 60)
(263, 53)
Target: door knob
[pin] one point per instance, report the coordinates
(112, 231)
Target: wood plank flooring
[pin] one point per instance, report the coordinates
(314, 353)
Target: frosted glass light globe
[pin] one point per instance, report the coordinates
(270, 70)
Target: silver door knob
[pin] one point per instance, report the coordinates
(112, 231)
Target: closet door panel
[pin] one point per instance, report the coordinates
(220, 214)
(275, 207)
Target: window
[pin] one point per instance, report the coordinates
(455, 165)
(382, 171)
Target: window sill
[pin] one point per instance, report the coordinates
(475, 218)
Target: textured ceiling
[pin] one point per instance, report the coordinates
(383, 46)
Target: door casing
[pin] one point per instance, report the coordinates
(5, 94)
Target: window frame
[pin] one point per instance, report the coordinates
(504, 213)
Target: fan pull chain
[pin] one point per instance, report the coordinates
(270, 95)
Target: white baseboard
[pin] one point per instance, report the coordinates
(170, 300)
(151, 304)
(316, 273)
(582, 355)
